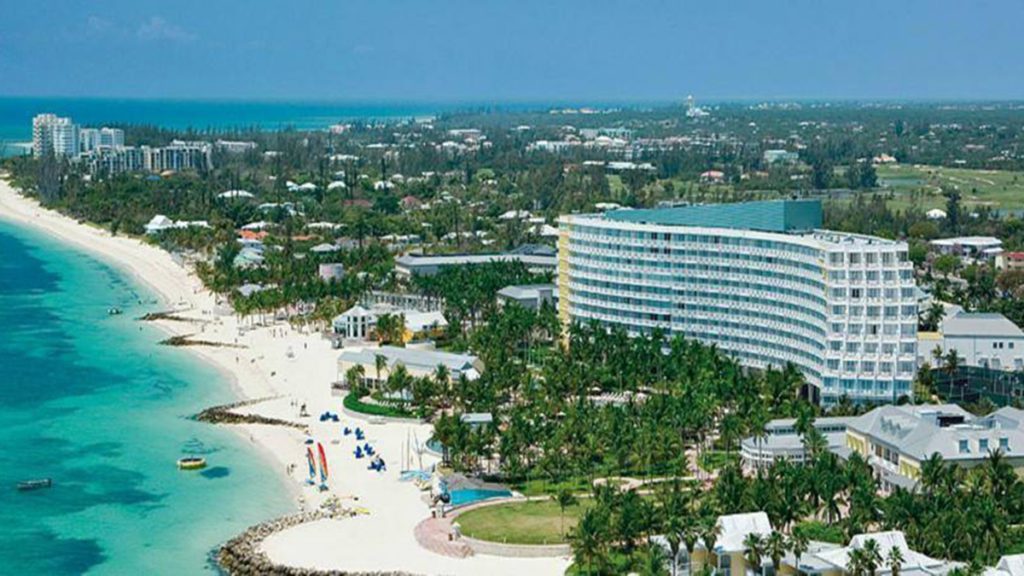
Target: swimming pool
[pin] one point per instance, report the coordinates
(471, 495)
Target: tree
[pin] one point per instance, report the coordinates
(354, 376)
(588, 541)
(653, 561)
(895, 560)
(380, 363)
(565, 499)
(753, 551)
(798, 544)
(952, 210)
(821, 174)
(775, 546)
(946, 264)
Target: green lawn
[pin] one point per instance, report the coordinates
(997, 189)
(534, 522)
(714, 459)
(353, 403)
(540, 487)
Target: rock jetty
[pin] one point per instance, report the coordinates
(225, 414)
(242, 556)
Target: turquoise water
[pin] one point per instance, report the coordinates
(89, 400)
(470, 495)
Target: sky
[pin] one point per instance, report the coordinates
(516, 50)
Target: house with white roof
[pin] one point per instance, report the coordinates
(832, 560)
(159, 223)
(972, 247)
(529, 296)
(728, 556)
(417, 363)
(987, 340)
(897, 440)
(360, 322)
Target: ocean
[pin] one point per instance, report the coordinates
(91, 401)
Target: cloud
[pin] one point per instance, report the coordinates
(156, 29)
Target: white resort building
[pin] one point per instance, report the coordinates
(760, 280)
(417, 363)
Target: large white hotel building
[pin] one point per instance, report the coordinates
(759, 280)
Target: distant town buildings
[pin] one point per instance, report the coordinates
(1010, 261)
(102, 151)
(51, 133)
(780, 157)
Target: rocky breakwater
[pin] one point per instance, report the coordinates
(225, 414)
(242, 556)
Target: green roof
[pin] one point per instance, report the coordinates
(768, 216)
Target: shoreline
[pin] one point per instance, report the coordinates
(290, 367)
(171, 293)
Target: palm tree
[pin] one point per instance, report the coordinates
(895, 560)
(354, 376)
(654, 561)
(588, 541)
(871, 557)
(709, 534)
(952, 365)
(775, 546)
(798, 543)
(380, 362)
(753, 546)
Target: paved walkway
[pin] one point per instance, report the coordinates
(433, 534)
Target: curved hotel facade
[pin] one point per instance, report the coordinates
(759, 280)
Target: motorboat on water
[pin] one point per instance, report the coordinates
(38, 484)
(113, 311)
(191, 463)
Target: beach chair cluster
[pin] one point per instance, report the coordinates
(329, 417)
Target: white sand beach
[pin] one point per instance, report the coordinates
(295, 368)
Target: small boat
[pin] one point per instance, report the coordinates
(35, 484)
(191, 463)
(114, 311)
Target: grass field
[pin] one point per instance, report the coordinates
(1002, 190)
(534, 522)
(715, 459)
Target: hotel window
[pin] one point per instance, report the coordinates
(983, 445)
(1004, 444)
(964, 447)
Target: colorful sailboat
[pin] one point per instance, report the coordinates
(323, 466)
(311, 460)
